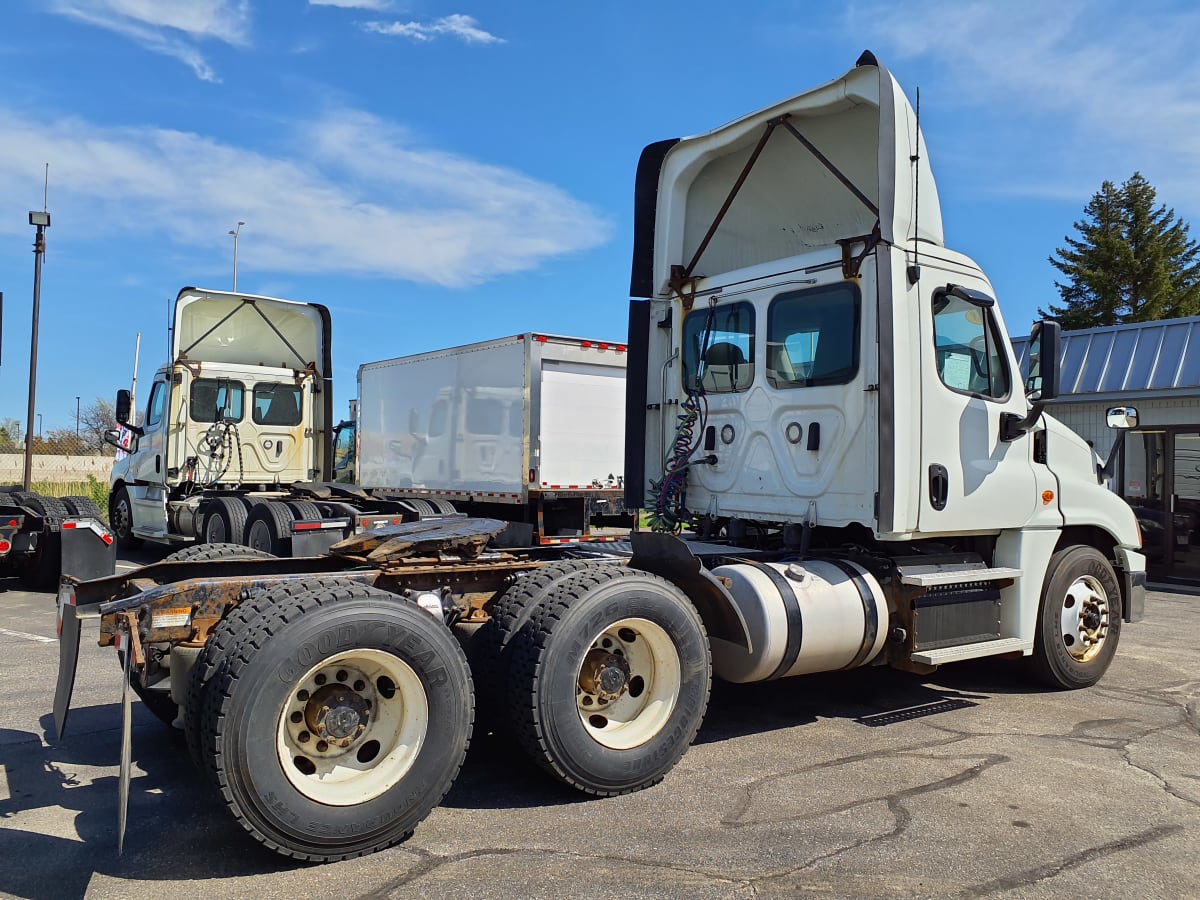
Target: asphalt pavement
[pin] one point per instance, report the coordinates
(972, 782)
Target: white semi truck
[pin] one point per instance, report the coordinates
(529, 429)
(843, 464)
(234, 444)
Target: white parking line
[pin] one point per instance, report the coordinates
(28, 636)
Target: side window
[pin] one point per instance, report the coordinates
(812, 337)
(718, 349)
(969, 359)
(215, 400)
(276, 404)
(158, 402)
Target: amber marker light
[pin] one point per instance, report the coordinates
(1047, 498)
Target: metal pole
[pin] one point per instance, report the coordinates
(77, 417)
(39, 249)
(137, 349)
(235, 234)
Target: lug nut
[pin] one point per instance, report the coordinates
(322, 746)
(302, 696)
(360, 685)
(303, 737)
(320, 679)
(341, 675)
(297, 717)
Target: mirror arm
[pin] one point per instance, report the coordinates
(1013, 426)
(1108, 468)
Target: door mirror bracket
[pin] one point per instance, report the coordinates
(1041, 386)
(1122, 418)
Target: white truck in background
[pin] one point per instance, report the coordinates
(234, 443)
(817, 387)
(529, 429)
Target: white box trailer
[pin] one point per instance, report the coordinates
(528, 428)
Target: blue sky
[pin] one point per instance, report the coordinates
(444, 172)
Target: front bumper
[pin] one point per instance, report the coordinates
(1133, 584)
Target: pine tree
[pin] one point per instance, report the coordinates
(1132, 261)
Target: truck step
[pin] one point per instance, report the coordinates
(971, 651)
(938, 576)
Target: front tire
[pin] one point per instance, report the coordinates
(120, 518)
(1079, 621)
(341, 724)
(610, 680)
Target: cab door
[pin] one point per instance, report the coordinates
(972, 480)
(149, 463)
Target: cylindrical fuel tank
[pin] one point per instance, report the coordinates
(813, 616)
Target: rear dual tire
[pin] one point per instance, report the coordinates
(386, 678)
(610, 680)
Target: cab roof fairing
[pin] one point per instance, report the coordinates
(790, 203)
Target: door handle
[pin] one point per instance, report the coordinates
(939, 486)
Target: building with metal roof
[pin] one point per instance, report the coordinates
(1155, 367)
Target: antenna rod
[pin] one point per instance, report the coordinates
(914, 271)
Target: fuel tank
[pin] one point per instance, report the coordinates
(814, 616)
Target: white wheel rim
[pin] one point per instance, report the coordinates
(624, 704)
(1085, 618)
(346, 757)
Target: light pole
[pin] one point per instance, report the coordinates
(39, 426)
(235, 232)
(42, 221)
(76, 417)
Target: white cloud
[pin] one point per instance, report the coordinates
(465, 28)
(359, 198)
(352, 4)
(168, 27)
(1087, 90)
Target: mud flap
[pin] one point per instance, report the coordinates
(126, 754)
(68, 662)
(88, 549)
(70, 629)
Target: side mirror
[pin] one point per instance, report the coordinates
(1123, 417)
(123, 407)
(1044, 340)
(113, 438)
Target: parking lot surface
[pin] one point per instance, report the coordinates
(972, 782)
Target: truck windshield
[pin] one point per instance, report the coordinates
(276, 404)
(812, 337)
(718, 349)
(216, 400)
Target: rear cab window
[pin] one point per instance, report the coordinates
(216, 400)
(718, 349)
(812, 336)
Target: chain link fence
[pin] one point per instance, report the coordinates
(64, 464)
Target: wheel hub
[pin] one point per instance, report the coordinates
(336, 712)
(604, 675)
(1085, 616)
